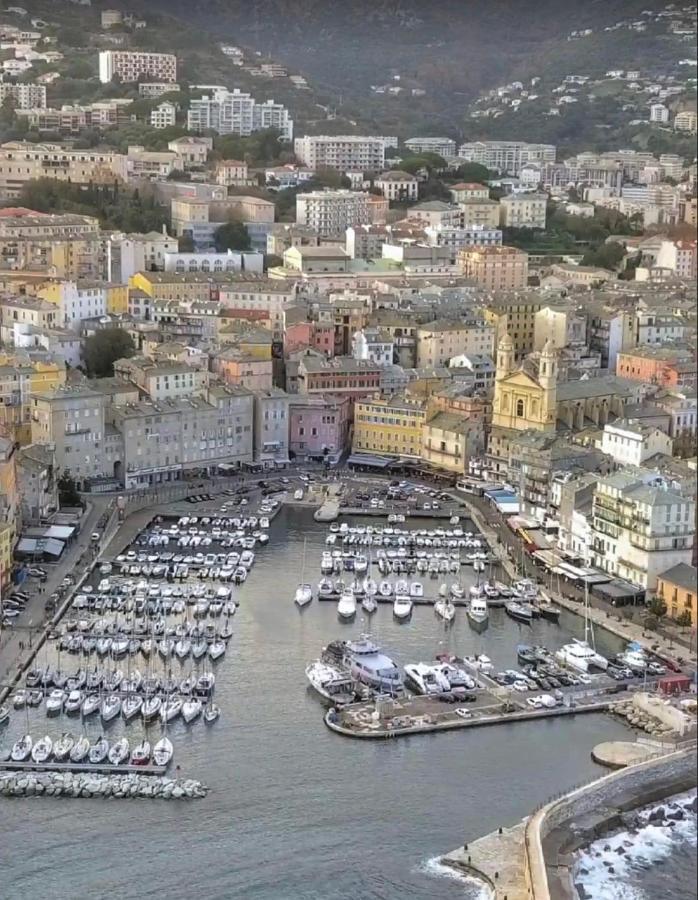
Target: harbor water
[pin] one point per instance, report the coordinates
(296, 812)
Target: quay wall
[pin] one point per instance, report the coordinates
(547, 869)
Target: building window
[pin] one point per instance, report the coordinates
(520, 408)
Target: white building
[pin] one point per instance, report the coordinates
(641, 526)
(456, 238)
(230, 261)
(81, 300)
(234, 112)
(374, 345)
(398, 186)
(330, 213)
(345, 153)
(25, 96)
(151, 90)
(442, 146)
(132, 65)
(164, 115)
(191, 151)
(687, 120)
(507, 157)
(230, 172)
(523, 210)
(630, 443)
(131, 253)
(659, 113)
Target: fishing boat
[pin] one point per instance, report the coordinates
(402, 607)
(140, 755)
(163, 752)
(119, 752)
(22, 749)
(346, 607)
(42, 750)
(478, 612)
(445, 609)
(99, 751)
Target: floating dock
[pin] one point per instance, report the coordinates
(31, 766)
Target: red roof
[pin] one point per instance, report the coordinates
(469, 186)
(14, 211)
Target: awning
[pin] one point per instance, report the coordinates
(366, 459)
(59, 532)
(618, 589)
(34, 547)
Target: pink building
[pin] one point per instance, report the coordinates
(301, 335)
(319, 424)
(239, 368)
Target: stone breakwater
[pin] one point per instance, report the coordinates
(69, 784)
(639, 718)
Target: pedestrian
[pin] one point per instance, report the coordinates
(21, 645)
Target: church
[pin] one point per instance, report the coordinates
(529, 398)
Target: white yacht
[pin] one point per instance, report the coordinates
(478, 612)
(325, 587)
(369, 665)
(346, 607)
(416, 589)
(426, 679)
(402, 607)
(445, 609)
(330, 682)
(579, 655)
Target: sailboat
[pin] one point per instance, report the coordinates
(445, 608)
(582, 655)
(304, 592)
(163, 752)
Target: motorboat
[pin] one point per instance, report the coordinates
(481, 662)
(369, 604)
(330, 682)
(140, 755)
(346, 606)
(526, 655)
(22, 749)
(360, 564)
(63, 746)
(445, 609)
(131, 706)
(402, 607)
(456, 677)
(54, 702)
(369, 665)
(163, 752)
(42, 750)
(303, 596)
(634, 659)
(579, 655)
(457, 591)
(34, 698)
(426, 679)
(520, 612)
(211, 713)
(99, 751)
(416, 590)
(385, 589)
(119, 752)
(80, 750)
(191, 709)
(20, 699)
(325, 587)
(478, 612)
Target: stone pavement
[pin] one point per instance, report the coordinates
(498, 859)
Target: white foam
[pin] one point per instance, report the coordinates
(476, 889)
(651, 844)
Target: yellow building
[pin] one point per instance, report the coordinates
(515, 314)
(18, 378)
(389, 425)
(117, 299)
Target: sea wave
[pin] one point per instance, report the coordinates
(474, 888)
(612, 867)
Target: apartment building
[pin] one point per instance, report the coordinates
(22, 161)
(271, 428)
(230, 172)
(76, 301)
(450, 439)
(678, 588)
(73, 119)
(24, 96)
(480, 211)
(374, 345)
(507, 157)
(341, 375)
(439, 341)
(36, 475)
(346, 153)
(641, 527)
(609, 331)
(66, 246)
(10, 509)
(562, 326)
(71, 417)
(330, 213)
(630, 442)
(686, 120)
(246, 295)
(523, 211)
(442, 146)
(436, 213)
(131, 253)
(666, 366)
(391, 426)
(495, 268)
(132, 65)
(234, 112)
(681, 404)
(398, 186)
(319, 426)
(166, 380)
(192, 152)
(164, 115)
(151, 90)
(469, 190)
(457, 238)
(514, 314)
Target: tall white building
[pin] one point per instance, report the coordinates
(346, 153)
(332, 212)
(25, 96)
(131, 65)
(659, 113)
(440, 145)
(507, 157)
(234, 112)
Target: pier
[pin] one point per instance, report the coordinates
(30, 766)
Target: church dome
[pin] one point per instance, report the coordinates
(506, 343)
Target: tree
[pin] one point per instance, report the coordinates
(472, 173)
(607, 256)
(683, 620)
(232, 236)
(103, 348)
(67, 490)
(657, 607)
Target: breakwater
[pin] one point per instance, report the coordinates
(88, 784)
